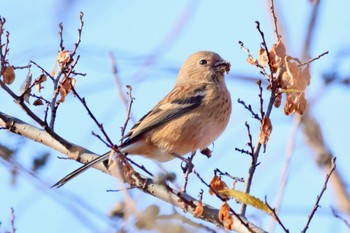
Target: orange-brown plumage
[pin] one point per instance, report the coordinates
(190, 117)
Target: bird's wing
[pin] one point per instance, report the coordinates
(178, 102)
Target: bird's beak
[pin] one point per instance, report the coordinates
(222, 66)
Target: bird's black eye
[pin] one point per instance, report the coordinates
(203, 62)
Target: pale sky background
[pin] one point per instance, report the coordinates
(150, 40)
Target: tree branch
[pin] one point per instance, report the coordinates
(147, 185)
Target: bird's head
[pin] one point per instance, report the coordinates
(203, 66)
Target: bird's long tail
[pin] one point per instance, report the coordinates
(82, 169)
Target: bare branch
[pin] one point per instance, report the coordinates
(249, 108)
(314, 59)
(60, 32)
(258, 65)
(264, 45)
(174, 197)
(274, 212)
(262, 113)
(275, 28)
(318, 199)
(80, 29)
(240, 179)
(128, 111)
(13, 229)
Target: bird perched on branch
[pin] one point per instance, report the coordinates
(190, 117)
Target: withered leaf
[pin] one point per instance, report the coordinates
(25, 87)
(63, 56)
(265, 130)
(9, 75)
(42, 78)
(38, 102)
(279, 49)
(252, 61)
(224, 212)
(199, 210)
(217, 185)
(65, 87)
(262, 57)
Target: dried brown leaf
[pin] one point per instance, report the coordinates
(262, 57)
(38, 102)
(295, 102)
(224, 212)
(279, 49)
(25, 87)
(289, 105)
(9, 75)
(65, 87)
(265, 131)
(217, 185)
(42, 78)
(63, 56)
(252, 61)
(199, 210)
(301, 103)
(278, 100)
(228, 223)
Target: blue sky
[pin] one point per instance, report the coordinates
(162, 34)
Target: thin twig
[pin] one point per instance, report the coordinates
(242, 151)
(21, 67)
(249, 108)
(261, 100)
(250, 139)
(128, 111)
(60, 32)
(274, 212)
(80, 29)
(13, 229)
(67, 68)
(314, 59)
(2, 58)
(264, 44)
(92, 116)
(42, 69)
(258, 65)
(187, 173)
(318, 199)
(235, 178)
(275, 28)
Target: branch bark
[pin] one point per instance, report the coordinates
(147, 185)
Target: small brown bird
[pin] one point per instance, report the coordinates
(190, 117)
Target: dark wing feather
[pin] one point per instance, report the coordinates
(161, 116)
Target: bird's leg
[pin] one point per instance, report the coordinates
(187, 169)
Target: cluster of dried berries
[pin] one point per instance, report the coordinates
(293, 76)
